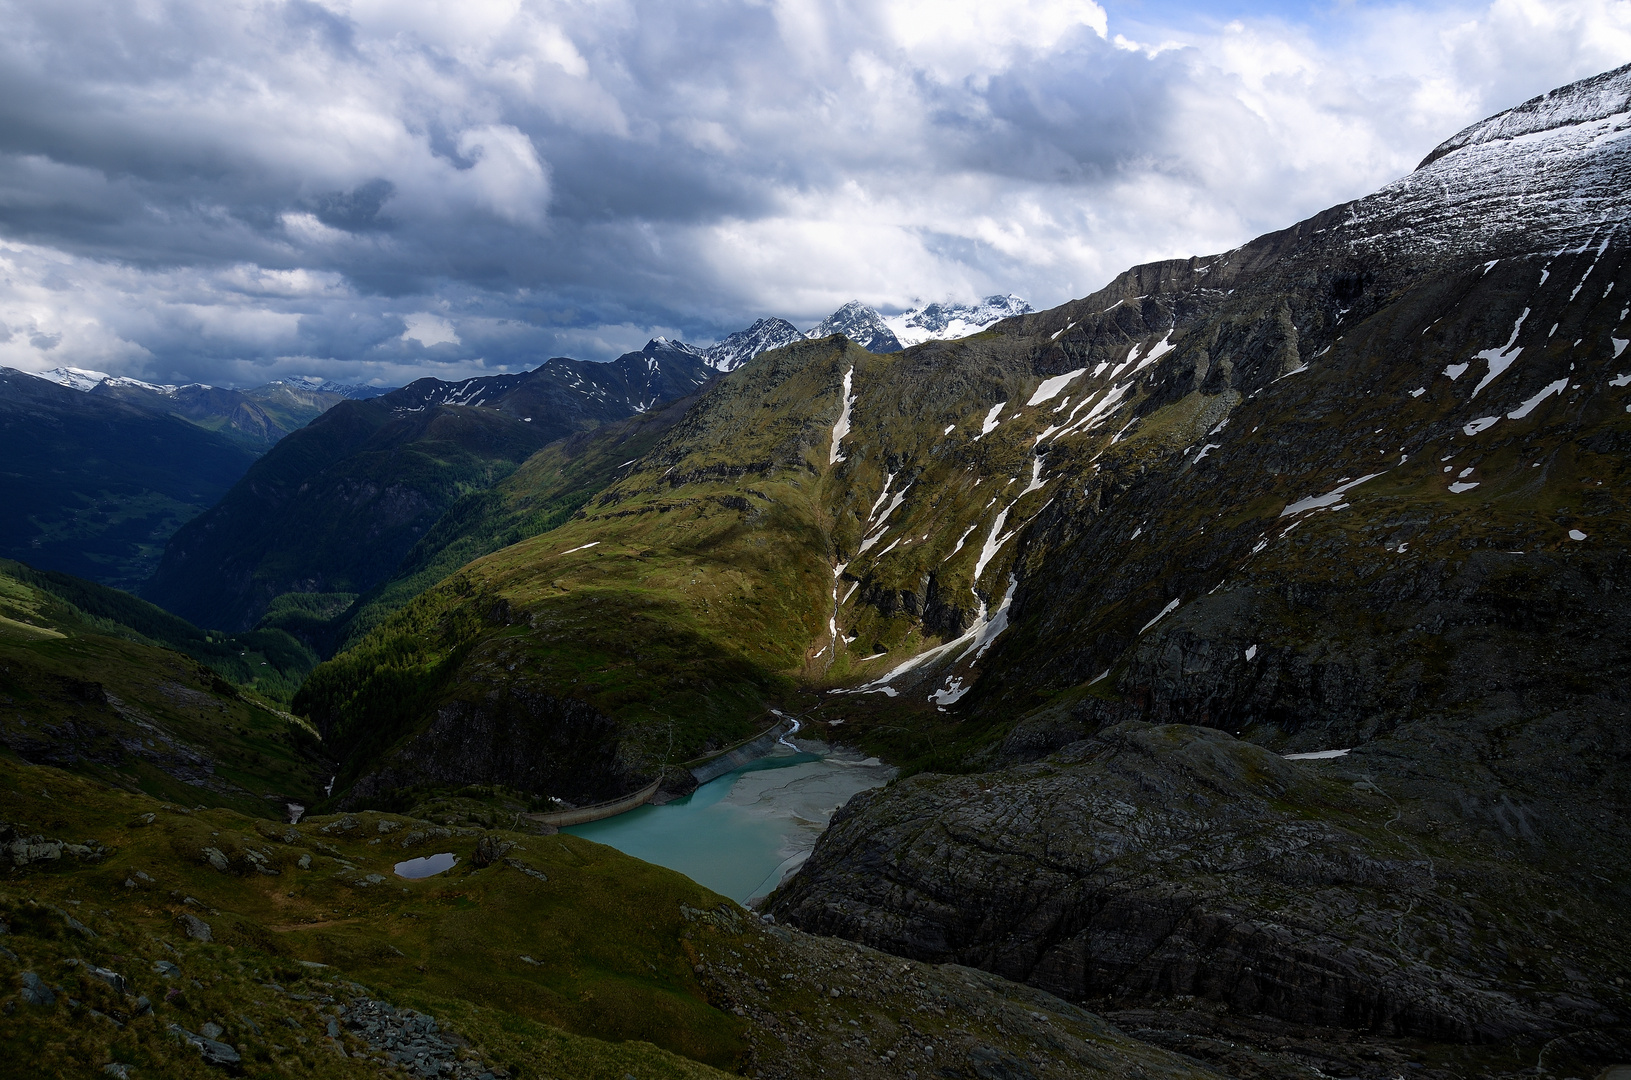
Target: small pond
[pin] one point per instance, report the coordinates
(426, 865)
(742, 833)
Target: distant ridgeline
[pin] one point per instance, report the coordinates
(346, 521)
(97, 472)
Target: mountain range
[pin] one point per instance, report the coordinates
(1250, 636)
(93, 485)
(327, 517)
(1349, 492)
(257, 417)
(868, 329)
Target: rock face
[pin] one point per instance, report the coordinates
(35, 992)
(1158, 862)
(511, 734)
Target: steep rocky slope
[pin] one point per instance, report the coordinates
(1368, 496)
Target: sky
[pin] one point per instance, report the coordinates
(375, 190)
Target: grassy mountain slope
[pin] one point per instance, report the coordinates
(94, 487)
(85, 693)
(268, 661)
(674, 646)
(540, 495)
(552, 956)
(334, 507)
(1351, 487)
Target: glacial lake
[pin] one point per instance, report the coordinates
(742, 833)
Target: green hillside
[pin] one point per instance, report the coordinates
(334, 507)
(268, 661)
(151, 926)
(92, 695)
(539, 496)
(94, 487)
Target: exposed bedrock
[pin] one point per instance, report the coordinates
(516, 735)
(1159, 861)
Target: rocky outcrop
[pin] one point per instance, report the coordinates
(21, 848)
(1159, 862)
(514, 734)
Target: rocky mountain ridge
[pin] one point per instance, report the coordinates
(567, 394)
(734, 350)
(861, 325)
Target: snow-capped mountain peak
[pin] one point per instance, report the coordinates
(167, 389)
(742, 346)
(1601, 97)
(82, 379)
(86, 379)
(861, 325)
(660, 344)
(1547, 175)
(944, 321)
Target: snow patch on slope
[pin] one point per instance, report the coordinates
(840, 427)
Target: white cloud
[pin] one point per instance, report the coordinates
(428, 329)
(507, 177)
(958, 38)
(220, 191)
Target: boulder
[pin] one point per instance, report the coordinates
(490, 849)
(214, 1053)
(195, 928)
(35, 992)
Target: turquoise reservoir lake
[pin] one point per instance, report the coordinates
(740, 834)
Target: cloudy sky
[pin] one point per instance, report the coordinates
(371, 190)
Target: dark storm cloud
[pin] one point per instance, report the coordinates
(227, 191)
